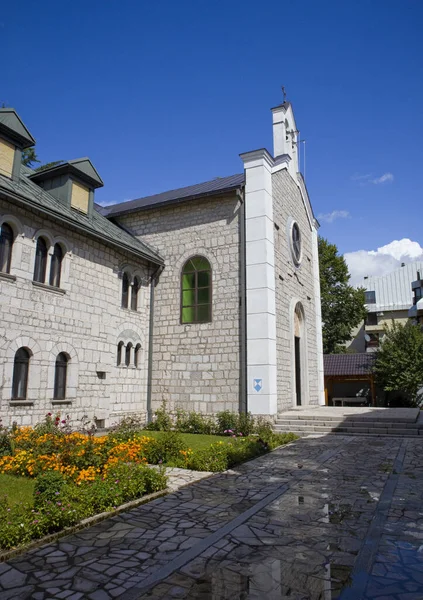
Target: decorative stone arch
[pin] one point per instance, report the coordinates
(18, 235)
(206, 253)
(72, 379)
(14, 223)
(45, 234)
(66, 261)
(130, 335)
(299, 355)
(37, 356)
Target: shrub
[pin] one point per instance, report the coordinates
(212, 459)
(48, 485)
(127, 427)
(263, 428)
(245, 424)
(6, 446)
(226, 421)
(193, 422)
(165, 448)
(162, 420)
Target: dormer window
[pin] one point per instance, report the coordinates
(14, 137)
(72, 183)
(80, 197)
(7, 157)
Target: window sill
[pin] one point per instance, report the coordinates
(21, 402)
(129, 310)
(50, 288)
(64, 401)
(7, 276)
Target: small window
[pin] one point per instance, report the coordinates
(119, 354)
(134, 294)
(128, 354)
(137, 355)
(371, 318)
(60, 376)
(196, 291)
(20, 374)
(7, 158)
(296, 243)
(6, 244)
(418, 294)
(125, 290)
(370, 297)
(40, 261)
(56, 265)
(80, 198)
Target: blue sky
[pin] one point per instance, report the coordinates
(165, 94)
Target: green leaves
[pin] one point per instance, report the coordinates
(399, 360)
(342, 305)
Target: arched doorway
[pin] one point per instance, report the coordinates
(298, 356)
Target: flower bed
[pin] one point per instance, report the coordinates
(79, 475)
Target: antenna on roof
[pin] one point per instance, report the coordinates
(284, 94)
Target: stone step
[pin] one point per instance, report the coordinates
(353, 418)
(372, 434)
(307, 429)
(343, 422)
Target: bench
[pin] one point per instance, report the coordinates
(360, 401)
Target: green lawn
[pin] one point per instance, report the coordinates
(195, 441)
(17, 489)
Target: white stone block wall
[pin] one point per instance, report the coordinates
(86, 321)
(294, 284)
(196, 366)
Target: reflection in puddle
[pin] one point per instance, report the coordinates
(271, 579)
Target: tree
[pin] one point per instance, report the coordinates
(29, 156)
(399, 360)
(342, 304)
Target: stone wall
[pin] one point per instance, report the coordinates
(293, 285)
(196, 366)
(83, 319)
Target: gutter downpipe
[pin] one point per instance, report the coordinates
(243, 404)
(153, 282)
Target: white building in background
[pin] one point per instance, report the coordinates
(388, 298)
(206, 297)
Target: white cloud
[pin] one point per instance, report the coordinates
(385, 178)
(368, 178)
(383, 260)
(335, 214)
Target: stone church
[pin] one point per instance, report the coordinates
(206, 297)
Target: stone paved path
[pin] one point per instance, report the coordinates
(324, 518)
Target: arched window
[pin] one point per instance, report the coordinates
(20, 374)
(125, 290)
(119, 354)
(128, 354)
(134, 295)
(296, 243)
(60, 376)
(40, 261)
(196, 291)
(137, 355)
(56, 265)
(6, 243)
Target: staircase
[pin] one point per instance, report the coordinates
(404, 422)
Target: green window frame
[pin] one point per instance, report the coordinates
(196, 291)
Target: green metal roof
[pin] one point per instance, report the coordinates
(96, 226)
(13, 126)
(81, 167)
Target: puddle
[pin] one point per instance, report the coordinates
(268, 579)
